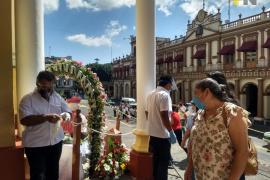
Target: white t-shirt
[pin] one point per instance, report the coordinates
(158, 100)
(46, 133)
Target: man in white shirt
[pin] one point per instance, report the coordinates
(42, 138)
(158, 110)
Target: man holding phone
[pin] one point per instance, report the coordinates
(40, 112)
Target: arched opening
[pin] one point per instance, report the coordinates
(267, 102)
(179, 93)
(231, 86)
(121, 90)
(134, 90)
(116, 90)
(127, 90)
(251, 98)
(173, 96)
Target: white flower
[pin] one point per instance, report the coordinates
(117, 165)
(107, 167)
(85, 166)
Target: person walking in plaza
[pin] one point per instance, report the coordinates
(221, 79)
(158, 110)
(190, 114)
(219, 138)
(176, 124)
(39, 112)
(182, 113)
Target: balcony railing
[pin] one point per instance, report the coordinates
(245, 21)
(172, 42)
(180, 69)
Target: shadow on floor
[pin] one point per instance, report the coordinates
(181, 165)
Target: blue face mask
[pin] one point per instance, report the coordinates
(198, 103)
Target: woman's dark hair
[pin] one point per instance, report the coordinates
(221, 79)
(218, 90)
(45, 75)
(174, 108)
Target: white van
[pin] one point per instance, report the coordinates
(127, 100)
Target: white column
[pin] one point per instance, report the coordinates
(259, 42)
(236, 45)
(207, 53)
(29, 32)
(146, 66)
(146, 57)
(241, 53)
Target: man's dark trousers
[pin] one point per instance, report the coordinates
(160, 147)
(44, 162)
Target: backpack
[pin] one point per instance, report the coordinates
(252, 163)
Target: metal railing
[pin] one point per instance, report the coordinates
(246, 21)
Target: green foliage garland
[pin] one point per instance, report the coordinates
(96, 100)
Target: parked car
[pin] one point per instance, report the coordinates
(126, 100)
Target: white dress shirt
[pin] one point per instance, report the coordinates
(158, 100)
(46, 133)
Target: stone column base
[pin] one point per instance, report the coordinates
(141, 166)
(12, 163)
(141, 142)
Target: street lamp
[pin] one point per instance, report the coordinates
(97, 60)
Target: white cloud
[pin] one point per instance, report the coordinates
(112, 30)
(191, 7)
(134, 28)
(50, 5)
(90, 41)
(165, 6)
(99, 5)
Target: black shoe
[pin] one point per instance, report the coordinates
(171, 163)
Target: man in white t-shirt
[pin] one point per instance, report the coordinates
(42, 138)
(158, 110)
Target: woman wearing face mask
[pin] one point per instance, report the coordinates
(221, 79)
(219, 138)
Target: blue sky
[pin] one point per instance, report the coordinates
(89, 29)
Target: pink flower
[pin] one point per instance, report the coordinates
(89, 69)
(78, 63)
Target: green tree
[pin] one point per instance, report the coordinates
(104, 71)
